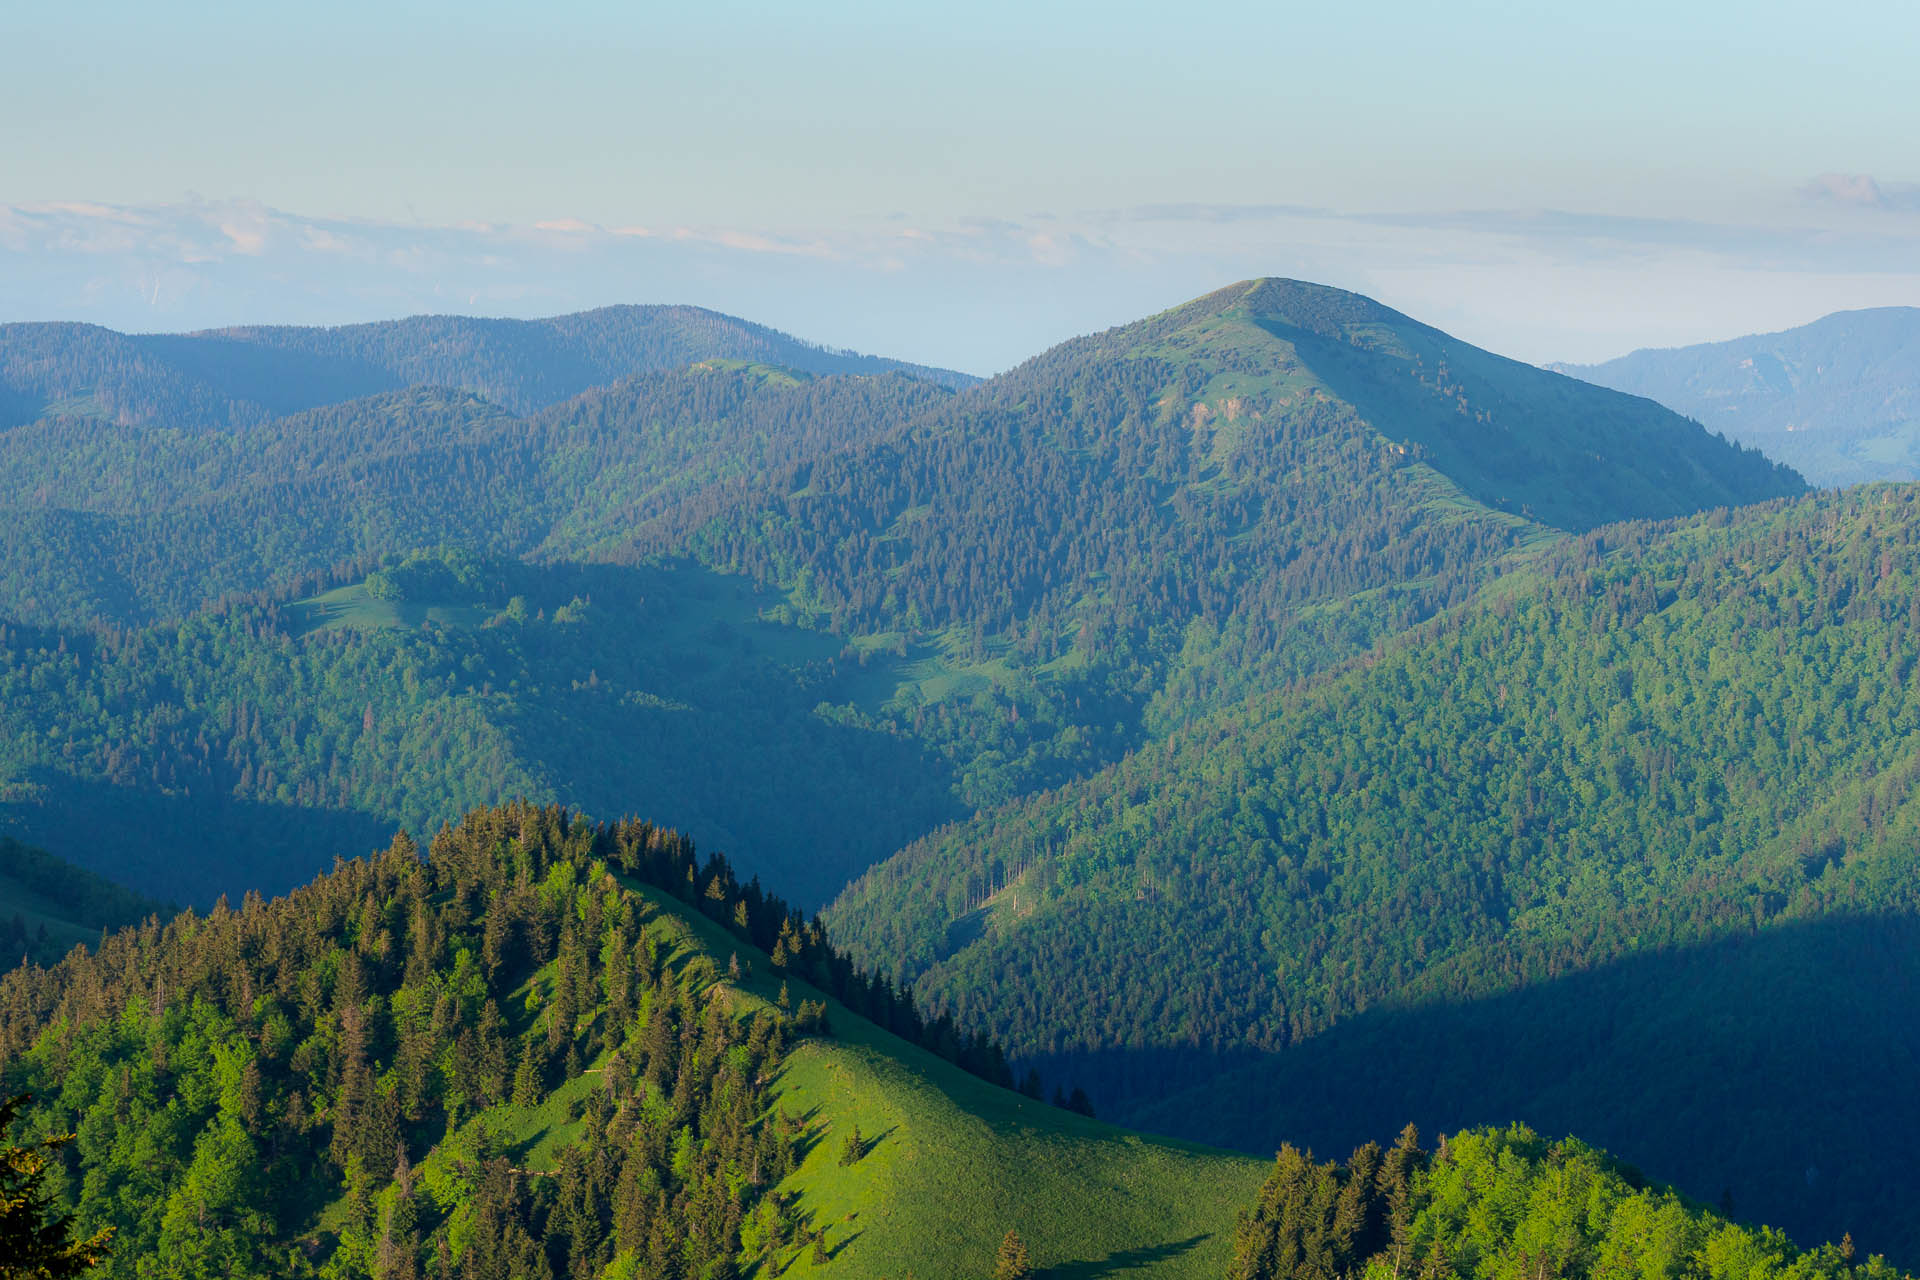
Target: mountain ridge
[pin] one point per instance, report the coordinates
(1838, 397)
(241, 376)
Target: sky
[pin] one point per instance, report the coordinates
(962, 185)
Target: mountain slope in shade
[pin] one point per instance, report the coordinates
(1838, 399)
(229, 378)
(48, 906)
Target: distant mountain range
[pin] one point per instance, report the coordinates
(1838, 400)
(228, 378)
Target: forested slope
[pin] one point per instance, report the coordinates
(1503, 1202)
(1244, 489)
(127, 524)
(1660, 738)
(245, 747)
(558, 1049)
(963, 597)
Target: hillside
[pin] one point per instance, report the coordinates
(48, 906)
(127, 524)
(1838, 399)
(243, 748)
(902, 601)
(535, 1050)
(241, 377)
(1241, 491)
(554, 1049)
(1657, 740)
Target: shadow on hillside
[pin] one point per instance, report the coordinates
(1527, 441)
(1775, 1069)
(1121, 1260)
(655, 692)
(673, 699)
(185, 848)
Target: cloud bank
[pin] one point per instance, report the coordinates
(981, 293)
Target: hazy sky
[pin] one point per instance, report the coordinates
(963, 184)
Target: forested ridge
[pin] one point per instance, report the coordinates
(1021, 582)
(505, 1058)
(522, 1055)
(246, 746)
(1025, 581)
(1659, 737)
(1244, 471)
(1499, 1203)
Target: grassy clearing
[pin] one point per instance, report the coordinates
(354, 606)
(950, 1163)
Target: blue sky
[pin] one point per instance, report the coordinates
(962, 184)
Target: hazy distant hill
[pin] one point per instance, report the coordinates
(244, 376)
(1838, 399)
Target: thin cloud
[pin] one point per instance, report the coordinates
(1862, 191)
(1199, 212)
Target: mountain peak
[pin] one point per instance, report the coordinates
(1515, 437)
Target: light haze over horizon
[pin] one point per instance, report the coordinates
(963, 188)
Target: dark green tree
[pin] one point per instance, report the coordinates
(35, 1244)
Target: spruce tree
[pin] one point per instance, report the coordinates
(1012, 1262)
(32, 1241)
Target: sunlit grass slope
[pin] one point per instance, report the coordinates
(952, 1163)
